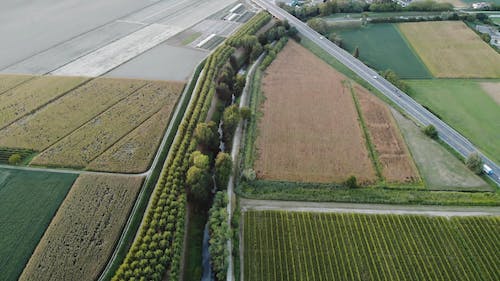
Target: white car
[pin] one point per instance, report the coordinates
(321, 37)
(375, 77)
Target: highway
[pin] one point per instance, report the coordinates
(405, 102)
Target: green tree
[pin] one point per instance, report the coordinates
(474, 163)
(14, 159)
(431, 132)
(245, 113)
(223, 167)
(356, 52)
(198, 177)
(351, 182)
(231, 118)
(319, 25)
(206, 134)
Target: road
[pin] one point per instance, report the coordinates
(402, 100)
(333, 207)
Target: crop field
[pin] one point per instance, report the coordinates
(393, 155)
(322, 246)
(133, 152)
(29, 96)
(438, 167)
(56, 120)
(28, 201)
(309, 133)
(396, 54)
(93, 138)
(466, 107)
(83, 233)
(452, 50)
(8, 81)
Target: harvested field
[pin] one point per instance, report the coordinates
(28, 201)
(439, 169)
(83, 233)
(393, 155)
(58, 119)
(452, 50)
(309, 130)
(29, 96)
(492, 89)
(8, 81)
(133, 153)
(93, 138)
(346, 247)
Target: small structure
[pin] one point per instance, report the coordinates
(480, 5)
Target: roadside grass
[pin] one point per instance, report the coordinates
(37, 92)
(9, 81)
(58, 119)
(380, 14)
(28, 201)
(83, 232)
(341, 246)
(440, 169)
(382, 47)
(450, 49)
(89, 141)
(465, 106)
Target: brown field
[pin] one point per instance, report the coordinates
(393, 155)
(8, 81)
(134, 152)
(309, 130)
(493, 90)
(93, 138)
(452, 50)
(29, 96)
(56, 120)
(81, 236)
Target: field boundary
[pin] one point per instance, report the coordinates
(410, 47)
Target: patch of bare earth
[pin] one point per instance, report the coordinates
(309, 131)
(493, 89)
(393, 155)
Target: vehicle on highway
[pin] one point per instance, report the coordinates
(375, 77)
(321, 37)
(487, 170)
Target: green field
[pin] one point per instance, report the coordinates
(382, 46)
(28, 201)
(321, 246)
(466, 107)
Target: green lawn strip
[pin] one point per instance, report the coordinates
(291, 191)
(193, 252)
(251, 132)
(28, 201)
(382, 47)
(463, 105)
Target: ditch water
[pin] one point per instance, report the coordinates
(207, 269)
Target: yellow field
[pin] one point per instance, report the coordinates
(29, 96)
(90, 140)
(81, 236)
(8, 81)
(56, 120)
(134, 152)
(493, 90)
(452, 50)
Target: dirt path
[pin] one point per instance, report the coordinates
(332, 207)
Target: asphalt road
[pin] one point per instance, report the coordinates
(406, 103)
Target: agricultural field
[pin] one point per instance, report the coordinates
(56, 120)
(296, 145)
(135, 149)
(492, 89)
(439, 168)
(333, 246)
(33, 94)
(83, 233)
(85, 144)
(396, 53)
(8, 81)
(28, 201)
(393, 155)
(466, 107)
(452, 50)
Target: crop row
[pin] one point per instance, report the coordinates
(307, 246)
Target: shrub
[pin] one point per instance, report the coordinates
(14, 159)
(351, 182)
(474, 163)
(245, 113)
(223, 168)
(431, 132)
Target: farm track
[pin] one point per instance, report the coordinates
(332, 207)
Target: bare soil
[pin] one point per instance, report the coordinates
(309, 130)
(393, 155)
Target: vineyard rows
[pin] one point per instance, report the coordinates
(319, 246)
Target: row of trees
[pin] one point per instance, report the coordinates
(219, 235)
